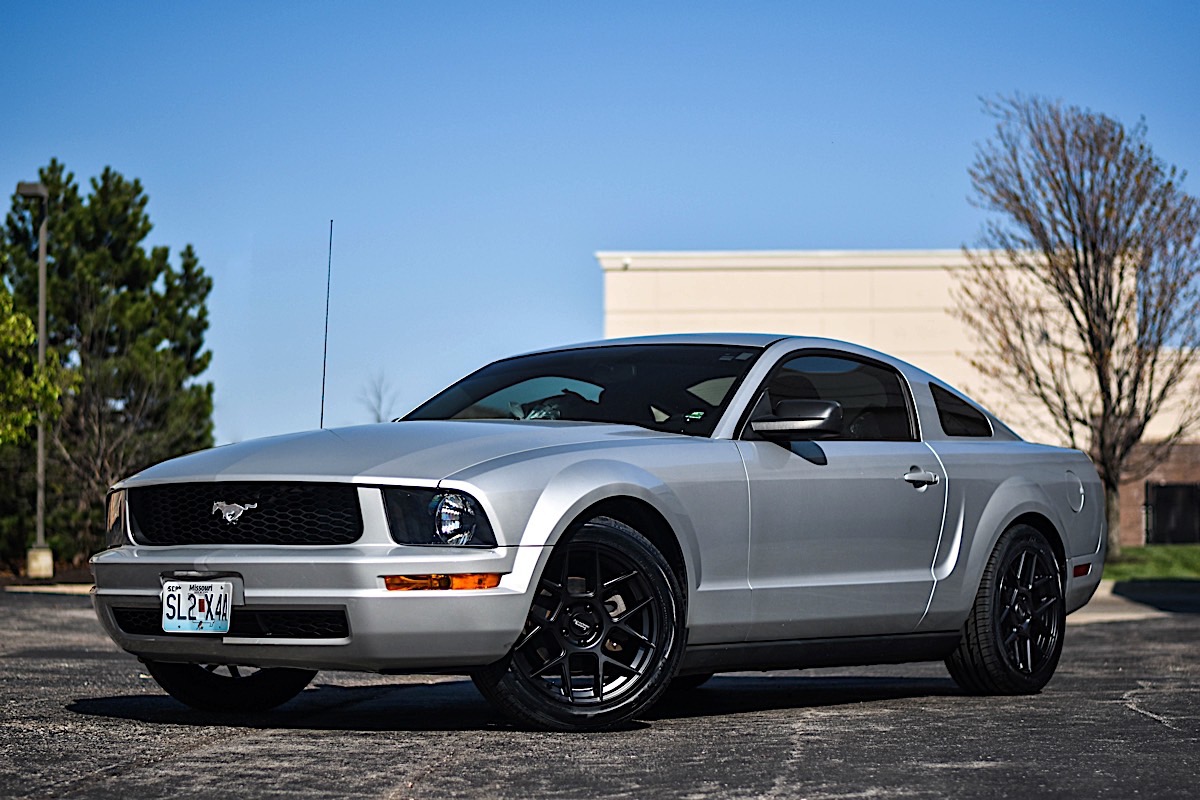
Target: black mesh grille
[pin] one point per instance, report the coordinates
(301, 624)
(276, 513)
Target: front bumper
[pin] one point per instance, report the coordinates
(384, 631)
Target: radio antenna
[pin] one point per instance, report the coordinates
(325, 355)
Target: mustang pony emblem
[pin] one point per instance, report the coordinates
(231, 512)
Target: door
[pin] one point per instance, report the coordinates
(843, 530)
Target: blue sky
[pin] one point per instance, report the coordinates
(474, 156)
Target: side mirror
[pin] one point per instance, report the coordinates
(800, 419)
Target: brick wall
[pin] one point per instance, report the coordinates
(1182, 467)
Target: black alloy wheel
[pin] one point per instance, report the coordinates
(1030, 601)
(1014, 635)
(602, 638)
(229, 687)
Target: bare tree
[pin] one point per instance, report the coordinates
(1085, 295)
(378, 398)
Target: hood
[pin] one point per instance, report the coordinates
(389, 452)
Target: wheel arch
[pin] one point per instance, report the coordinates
(630, 494)
(646, 520)
(1054, 537)
(1016, 500)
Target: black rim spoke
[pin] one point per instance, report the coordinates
(624, 668)
(1046, 605)
(529, 637)
(598, 685)
(553, 591)
(1041, 583)
(551, 663)
(568, 689)
(629, 612)
(619, 579)
(229, 672)
(597, 579)
(631, 632)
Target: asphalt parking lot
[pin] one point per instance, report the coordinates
(1121, 719)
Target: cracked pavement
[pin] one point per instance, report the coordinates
(79, 718)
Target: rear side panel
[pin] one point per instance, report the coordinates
(991, 485)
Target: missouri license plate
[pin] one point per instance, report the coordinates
(196, 606)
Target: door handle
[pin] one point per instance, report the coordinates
(920, 478)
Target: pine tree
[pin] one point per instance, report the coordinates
(128, 326)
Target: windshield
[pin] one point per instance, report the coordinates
(678, 388)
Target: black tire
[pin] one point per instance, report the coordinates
(1013, 636)
(602, 639)
(688, 683)
(216, 687)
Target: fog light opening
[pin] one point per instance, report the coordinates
(469, 580)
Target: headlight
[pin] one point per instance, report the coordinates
(433, 517)
(114, 519)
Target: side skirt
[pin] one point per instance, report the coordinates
(850, 651)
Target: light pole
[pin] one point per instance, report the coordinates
(40, 561)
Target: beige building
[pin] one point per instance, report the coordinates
(897, 301)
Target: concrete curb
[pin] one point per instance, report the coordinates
(1106, 606)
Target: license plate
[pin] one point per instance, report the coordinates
(196, 606)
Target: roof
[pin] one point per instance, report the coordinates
(726, 339)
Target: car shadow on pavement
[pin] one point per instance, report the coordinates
(441, 706)
(1181, 596)
(738, 694)
(457, 706)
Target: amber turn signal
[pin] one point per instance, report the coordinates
(470, 580)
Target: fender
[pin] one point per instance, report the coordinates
(580, 485)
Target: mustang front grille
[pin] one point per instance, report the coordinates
(245, 513)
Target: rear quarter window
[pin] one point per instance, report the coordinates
(957, 416)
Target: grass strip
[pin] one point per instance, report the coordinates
(1155, 561)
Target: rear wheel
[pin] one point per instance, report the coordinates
(227, 687)
(602, 639)
(1014, 634)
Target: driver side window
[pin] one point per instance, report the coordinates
(873, 399)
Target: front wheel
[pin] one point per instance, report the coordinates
(602, 639)
(220, 687)
(1013, 637)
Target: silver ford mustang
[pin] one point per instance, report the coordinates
(584, 528)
